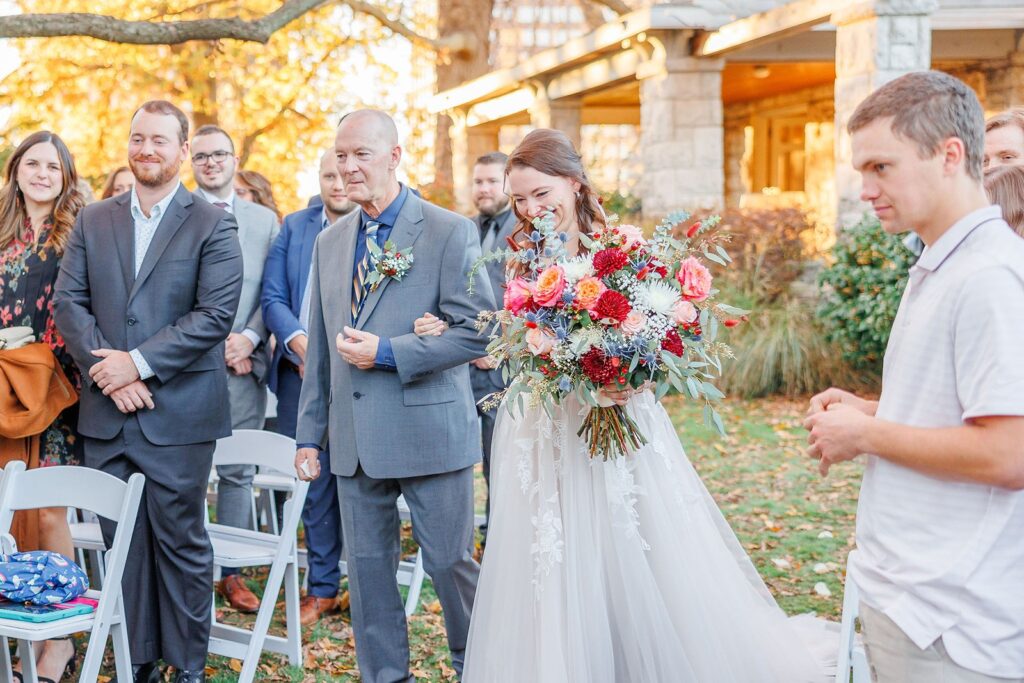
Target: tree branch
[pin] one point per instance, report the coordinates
(153, 32)
(114, 30)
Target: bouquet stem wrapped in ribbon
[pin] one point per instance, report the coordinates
(626, 313)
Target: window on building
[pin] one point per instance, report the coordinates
(779, 150)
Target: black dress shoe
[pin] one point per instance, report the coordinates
(144, 673)
(187, 676)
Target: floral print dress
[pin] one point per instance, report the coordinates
(28, 274)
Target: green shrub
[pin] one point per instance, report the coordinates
(626, 206)
(783, 351)
(862, 290)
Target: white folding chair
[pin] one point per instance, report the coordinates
(233, 547)
(108, 497)
(852, 660)
(87, 538)
(409, 574)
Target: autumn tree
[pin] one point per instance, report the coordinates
(274, 74)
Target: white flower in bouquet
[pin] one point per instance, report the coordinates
(658, 297)
(584, 339)
(576, 269)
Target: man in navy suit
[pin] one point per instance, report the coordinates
(284, 283)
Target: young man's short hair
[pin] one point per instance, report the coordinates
(167, 109)
(927, 108)
(210, 129)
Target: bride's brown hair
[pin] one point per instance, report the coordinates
(552, 153)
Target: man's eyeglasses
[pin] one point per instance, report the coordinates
(202, 159)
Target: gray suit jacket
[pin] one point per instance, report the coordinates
(177, 312)
(489, 381)
(421, 419)
(257, 229)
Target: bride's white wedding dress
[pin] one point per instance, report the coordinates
(621, 571)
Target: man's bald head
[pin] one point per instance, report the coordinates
(373, 120)
(327, 160)
(367, 153)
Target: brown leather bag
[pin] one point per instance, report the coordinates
(33, 392)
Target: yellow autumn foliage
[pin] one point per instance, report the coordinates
(279, 102)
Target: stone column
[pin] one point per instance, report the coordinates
(876, 42)
(1015, 87)
(468, 144)
(564, 114)
(681, 133)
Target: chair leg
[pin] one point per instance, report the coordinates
(291, 608)
(27, 657)
(412, 601)
(259, 629)
(6, 670)
(94, 652)
(122, 653)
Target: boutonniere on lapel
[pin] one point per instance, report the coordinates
(388, 262)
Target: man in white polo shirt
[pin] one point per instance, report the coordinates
(940, 524)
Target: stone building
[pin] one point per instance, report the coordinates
(741, 102)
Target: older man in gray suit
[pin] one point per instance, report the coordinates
(147, 292)
(213, 165)
(396, 407)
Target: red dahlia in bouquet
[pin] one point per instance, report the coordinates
(628, 312)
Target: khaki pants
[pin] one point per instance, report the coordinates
(894, 658)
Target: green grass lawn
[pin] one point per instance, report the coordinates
(796, 526)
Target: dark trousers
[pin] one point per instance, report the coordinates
(170, 564)
(487, 433)
(321, 515)
(442, 524)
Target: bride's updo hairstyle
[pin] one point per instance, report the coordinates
(551, 152)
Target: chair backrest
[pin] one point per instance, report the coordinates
(268, 450)
(78, 487)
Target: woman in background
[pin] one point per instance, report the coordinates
(118, 182)
(254, 187)
(1004, 186)
(39, 202)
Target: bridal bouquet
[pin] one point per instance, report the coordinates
(630, 312)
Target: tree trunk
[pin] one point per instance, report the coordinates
(471, 17)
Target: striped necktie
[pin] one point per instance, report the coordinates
(359, 290)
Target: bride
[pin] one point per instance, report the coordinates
(621, 570)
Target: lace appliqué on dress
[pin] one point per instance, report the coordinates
(622, 495)
(547, 540)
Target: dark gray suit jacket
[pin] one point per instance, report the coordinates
(421, 419)
(177, 312)
(489, 381)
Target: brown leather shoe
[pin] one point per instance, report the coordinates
(238, 595)
(311, 608)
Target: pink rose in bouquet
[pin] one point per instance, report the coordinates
(684, 312)
(631, 235)
(549, 287)
(694, 280)
(540, 342)
(634, 323)
(588, 291)
(518, 294)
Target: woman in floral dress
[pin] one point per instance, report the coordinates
(38, 205)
